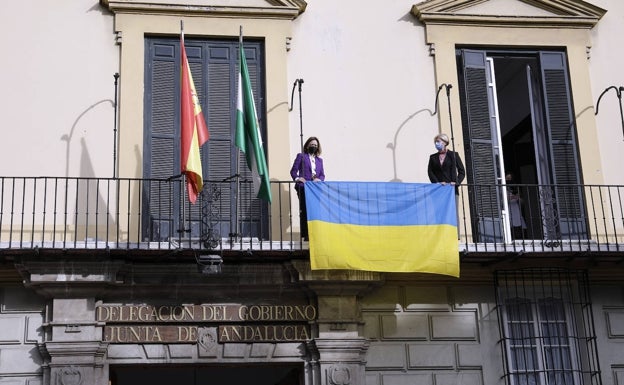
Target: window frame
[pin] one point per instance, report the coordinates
(234, 210)
(532, 288)
(536, 322)
(452, 24)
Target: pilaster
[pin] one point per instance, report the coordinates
(73, 344)
(339, 350)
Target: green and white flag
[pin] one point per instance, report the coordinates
(248, 137)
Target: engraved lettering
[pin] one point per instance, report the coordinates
(205, 313)
(242, 313)
(135, 333)
(161, 316)
(208, 313)
(224, 335)
(187, 333)
(279, 312)
(300, 312)
(303, 334)
(103, 313)
(189, 311)
(114, 316)
(275, 333)
(132, 316)
(156, 335)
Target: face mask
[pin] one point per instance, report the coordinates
(312, 149)
(439, 146)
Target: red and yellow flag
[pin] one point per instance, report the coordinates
(193, 127)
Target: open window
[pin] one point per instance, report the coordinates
(517, 119)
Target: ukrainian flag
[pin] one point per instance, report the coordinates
(385, 227)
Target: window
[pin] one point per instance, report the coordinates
(546, 327)
(214, 65)
(517, 117)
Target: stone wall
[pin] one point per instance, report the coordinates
(21, 318)
(431, 335)
(608, 310)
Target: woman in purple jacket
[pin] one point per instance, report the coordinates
(308, 166)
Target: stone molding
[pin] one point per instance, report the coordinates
(274, 9)
(565, 14)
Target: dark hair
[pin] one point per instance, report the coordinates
(512, 181)
(307, 143)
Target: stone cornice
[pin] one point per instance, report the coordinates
(275, 9)
(565, 14)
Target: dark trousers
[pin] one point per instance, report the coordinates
(303, 214)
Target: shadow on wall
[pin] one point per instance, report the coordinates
(392, 146)
(68, 137)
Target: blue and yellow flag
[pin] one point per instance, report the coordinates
(385, 227)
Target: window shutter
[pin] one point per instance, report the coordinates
(214, 67)
(220, 150)
(563, 146)
(161, 142)
(480, 156)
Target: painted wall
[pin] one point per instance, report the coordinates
(56, 99)
(368, 89)
(606, 62)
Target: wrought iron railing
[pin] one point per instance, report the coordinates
(154, 214)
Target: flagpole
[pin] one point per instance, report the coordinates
(237, 188)
(183, 230)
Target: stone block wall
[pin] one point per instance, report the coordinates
(432, 335)
(21, 318)
(608, 311)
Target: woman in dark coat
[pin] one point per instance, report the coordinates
(445, 166)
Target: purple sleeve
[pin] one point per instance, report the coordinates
(294, 171)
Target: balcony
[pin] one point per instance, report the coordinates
(152, 217)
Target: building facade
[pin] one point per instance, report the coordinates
(110, 276)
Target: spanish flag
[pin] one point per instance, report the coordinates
(384, 227)
(193, 128)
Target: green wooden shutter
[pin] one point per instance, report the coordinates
(221, 152)
(161, 142)
(481, 161)
(562, 143)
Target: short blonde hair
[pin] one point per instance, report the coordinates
(442, 137)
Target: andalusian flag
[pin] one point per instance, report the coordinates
(248, 137)
(387, 227)
(193, 127)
